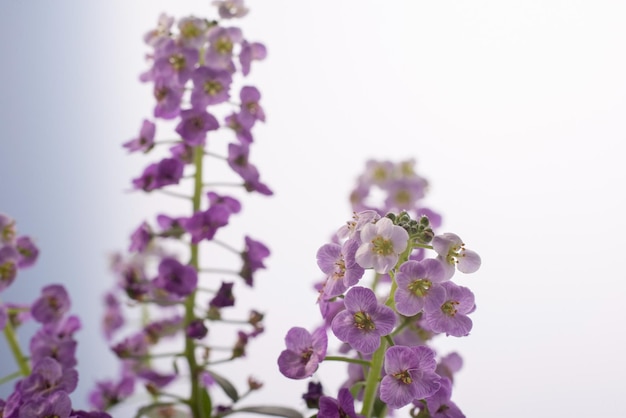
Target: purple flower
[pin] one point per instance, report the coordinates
(194, 125)
(228, 9)
(165, 172)
(251, 52)
(161, 33)
(174, 63)
(56, 340)
(415, 279)
(439, 404)
(364, 321)
(221, 44)
(224, 296)
(410, 374)
(192, 32)
(451, 250)
(447, 308)
(352, 229)
(242, 131)
(27, 251)
(342, 407)
(167, 327)
(402, 194)
(252, 256)
(449, 365)
(8, 265)
(133, 346)
(204, 224)
(176, 278)
(145, 141)
(304, 352)
(53, 303)
(108, 393)
(313, 394)
(211, 87)
(338, 263)
(140, 238)
(168, 96)
(382, 243)
(251, 110)
(113, 318)
(196, 329)
(48, 377)
(57, 405)
(7, 229)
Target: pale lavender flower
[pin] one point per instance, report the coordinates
(192, 32)
(228, 9)
(339, 265)
(382, 243)
(304, 352)
(449, 365)
(415, 279)
(161, 33)
(53, 303)
(174, 63)
(402, 194)
(168, 96)
(113, 319)
(439, 404)
(352, 229)
(452, 252)
(194, 125)
(447, 308)
(410, 374)
(210, 87)
(219, 54)
(364, 321)
(57, 405)
(254, 51)
(251, 110)
(145, 141)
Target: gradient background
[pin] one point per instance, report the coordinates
(514, 111)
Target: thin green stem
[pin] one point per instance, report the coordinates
(10, 377)
(347, 360)
(14, 345)
(371, 383)
(174, 194)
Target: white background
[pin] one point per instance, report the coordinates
(514, 111)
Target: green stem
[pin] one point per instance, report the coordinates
(190, 346)
(371, 383)
(347, 360)
(14, 345)
(10, 377)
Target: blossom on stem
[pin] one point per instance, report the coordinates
(342, 407)
(382, 243)
(145, 141)
(410, 374)
(53, 303)
(447, 308)
(175, 277)
(253, 256)
(364, 321)
(194, 125)
(304, 352)
(229, 9)
(339, 264)
(415, 279)
(452, 252)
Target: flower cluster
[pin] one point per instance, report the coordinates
(47, 376)
(386, 324)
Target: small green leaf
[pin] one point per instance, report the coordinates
(225, 384)
(278, 411)
(206, 406)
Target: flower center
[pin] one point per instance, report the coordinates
(306, 355)
(340, 269)
(7, 271)
(420, 287)
(382, 246)
(449, 308)
(403, 197)
(189, 30)
(8, 233)
(224, 46)
(403, 377)
(363, 321)
(177, 61)
(212, 87)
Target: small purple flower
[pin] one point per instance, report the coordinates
(364, 321)
(196, 329)
(338, 263)
(439, 404)
(161, 328)
(342, 407)
(224, 296)
(221, 44)
(168, 97)
(382, 243)
(447, 308)
(230, 202)
(210, 87)
(161, 33)
(53, 303)
(8, 265)
(449, 365)
(304, 352)
(135, 345)
(451, 250)
(194, 125)
(165, 172)
(251, 52)
(57, 405)
(27, 250)
(145, 141)
(252, 256)
(140, 238)
(204, 224)
(56, 340)
(47, 377)
(410, 374)
(242, 131)
(192, 32)
(313, 394)
(176, 278)
(112, 319)
(228, 9)
(251, 110)
(415, 279)
(108, 393)
(402, 194)
(352, 229)
(174, 63)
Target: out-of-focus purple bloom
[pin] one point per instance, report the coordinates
(341, 269)
(224, 296)
(439, 404)
(113, 318)
(165, 172)
(145, 141)
(230, 202)
(447, 308)
(53, 303)
(251, 51)
(352, 229)
(7, 229)
(109, 392)
(313, 394)
(252, 256)
(56, 340)
(304, 352)
(251, 110)
(204, 224)
(219, 54)
(402, 194)
(364, 321)
(196, 329)
(210, 87)
(342, 407)
(449, 365)
(155, 378)
(242, 131)
(167, 327)
(27, 250)
(57, 405)
(168, 97)
(433, 217)
(183, 152)
(452, 252)
(133, 346)
(228, 9)
(176, 278)
(410, 374)
(161, 33)
(415, 279)
(382, 243)
(174, 63)
(194, 125)
(8, 265)
(47, 377)
(192, 32)
(140, 238)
